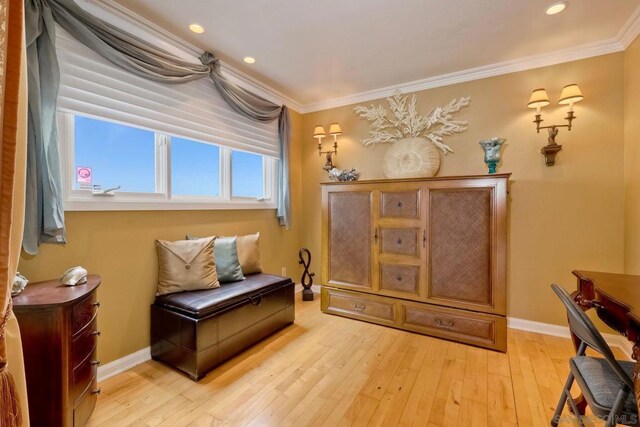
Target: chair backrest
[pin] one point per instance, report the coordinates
(584, 329)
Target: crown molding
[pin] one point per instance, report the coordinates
(627, 34)
(527, 63)
(108, 9)
(630, 30)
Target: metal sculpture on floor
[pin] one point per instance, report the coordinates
(307, 277)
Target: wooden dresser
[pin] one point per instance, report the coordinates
(424, 255)
(59, 332)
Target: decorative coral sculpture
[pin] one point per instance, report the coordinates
(407, 123)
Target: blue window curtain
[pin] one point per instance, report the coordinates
(44, 214)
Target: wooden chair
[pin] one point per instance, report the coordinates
(605, 383)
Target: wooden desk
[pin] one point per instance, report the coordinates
(616, 299)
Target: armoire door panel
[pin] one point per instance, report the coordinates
(350, 238)
(399, 204)
(400, 241)
(460, 229)
(400, 278)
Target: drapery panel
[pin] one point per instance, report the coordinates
(11, 31)
(44, 212)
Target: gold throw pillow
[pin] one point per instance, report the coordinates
(186, 265)
(249, 253)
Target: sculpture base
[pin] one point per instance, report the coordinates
(307, 294)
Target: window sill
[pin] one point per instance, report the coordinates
(156, 205)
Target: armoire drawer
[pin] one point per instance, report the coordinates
(359, 306)
(399, 278)
(400, 241)
(460, 325)
(399, 204)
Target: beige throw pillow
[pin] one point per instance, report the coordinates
(249, 253)
(186, 265)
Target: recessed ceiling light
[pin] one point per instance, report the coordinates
(249, 60)
(196, 28)
(557, 7)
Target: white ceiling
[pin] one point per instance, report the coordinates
(317, 50)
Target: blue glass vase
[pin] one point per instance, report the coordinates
(492, 153)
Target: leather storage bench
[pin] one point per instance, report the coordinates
(196, 331)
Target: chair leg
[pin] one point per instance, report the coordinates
(566, 392)
(616, 410)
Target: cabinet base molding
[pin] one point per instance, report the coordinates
(479, 329)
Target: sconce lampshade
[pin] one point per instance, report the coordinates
(570, 95)
(539, 98)
(318, 132)
(334, 129)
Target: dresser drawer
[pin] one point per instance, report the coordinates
(400, 241)
(85, 343)
(399, 278)
(84, 312)
(465, 326)
(399, 204)
(84, 376)
(359, 306)
(85, 406)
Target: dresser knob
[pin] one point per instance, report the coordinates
(96, 333)
(95, 363)
(399, 278)
(399, 241)
(96, 391)
(96, 304)
(399, 204)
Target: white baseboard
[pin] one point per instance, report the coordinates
(563, 331)
(124, 363)
(314, 288)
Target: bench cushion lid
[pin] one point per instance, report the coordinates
(198, 304)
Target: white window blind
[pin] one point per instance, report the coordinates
(91, 85)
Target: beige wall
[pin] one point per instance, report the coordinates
(120, 247)
(570, 216)
(632, 158)
(564, 217)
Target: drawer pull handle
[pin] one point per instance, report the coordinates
(94, 363)
(256, 299)
(399, 241)
(96, 333)
(96, 304)
(96, 391)
(375, 236)
(424, 238)
(399, 278)
(447, 325)
(359, 306)
(399, 204)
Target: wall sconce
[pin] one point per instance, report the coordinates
(539, 98)
(319, 133)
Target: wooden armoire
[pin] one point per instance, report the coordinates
(425, 255)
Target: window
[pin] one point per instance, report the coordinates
(111, 155)
(247, 174)
(155, 170)
(195, 168)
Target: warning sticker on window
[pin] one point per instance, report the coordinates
(83, 175)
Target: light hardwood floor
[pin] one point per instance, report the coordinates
(327, 370)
